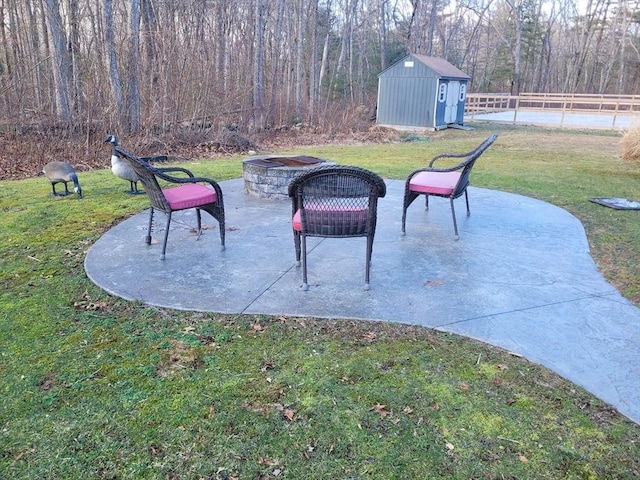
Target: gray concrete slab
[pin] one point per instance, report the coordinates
(520, 277)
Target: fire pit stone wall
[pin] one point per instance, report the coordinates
(268, 176)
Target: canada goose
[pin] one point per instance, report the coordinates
(122, 169)
(62, 172)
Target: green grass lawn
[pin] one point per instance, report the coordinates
(96, 387)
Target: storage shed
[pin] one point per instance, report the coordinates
(421, 91)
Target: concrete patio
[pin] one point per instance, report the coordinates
(520, 278)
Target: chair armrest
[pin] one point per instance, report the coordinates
(173, 169)
(451, 155)
(468, 156)
(190, 179)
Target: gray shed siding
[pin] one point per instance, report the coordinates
(407, 95)
(407, 101)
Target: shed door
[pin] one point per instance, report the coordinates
(453, 95)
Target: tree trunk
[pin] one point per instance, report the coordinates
(133, 68)
(61, 63)
(114, 73)
(258, 79)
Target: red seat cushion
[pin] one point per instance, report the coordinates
(328, 221)
(189, 196)
(434, 183)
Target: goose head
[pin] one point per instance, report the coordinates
(76, 185)
(114, 142)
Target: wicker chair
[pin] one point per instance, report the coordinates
(449, 182)
(334, 201)
(189, 194)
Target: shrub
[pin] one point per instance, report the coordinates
(631, 144)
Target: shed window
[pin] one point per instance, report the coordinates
(442, 94)
(463, 91)
(408, 64)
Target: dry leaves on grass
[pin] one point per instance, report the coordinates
(88, 304)
(380, 410)
(288, 413)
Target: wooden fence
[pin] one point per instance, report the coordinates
(612, 106)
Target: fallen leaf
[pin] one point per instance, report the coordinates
(407, 410)
(433, 283)
(450, 446)
(268, 463)
(522, 458)
(289, 414)
(380, 410)
(464, 387)
(435, 406)
(510, 401)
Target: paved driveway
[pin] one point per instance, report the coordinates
(572, 120)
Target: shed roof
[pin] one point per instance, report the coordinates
(437, 64)
(440, 66)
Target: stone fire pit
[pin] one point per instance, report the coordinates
(268, 176)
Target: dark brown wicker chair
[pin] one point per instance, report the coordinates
(191, 193)
(334, 201)
(449, 182)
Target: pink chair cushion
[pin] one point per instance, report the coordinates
(434, 183)
(351, 218)
(189, 195)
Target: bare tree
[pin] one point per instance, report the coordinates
(61, 62)
(114, 72)
(133, 67)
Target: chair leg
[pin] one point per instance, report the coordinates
(409, 197)
(166, 236)
(466, 198)
(426, 202)
(404, 220)
(296, 244)
(453, 214)
(305, 284)
(221, 226)
(367, 270)
(147, 239)
(199, 220)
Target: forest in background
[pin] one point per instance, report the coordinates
(86, 67)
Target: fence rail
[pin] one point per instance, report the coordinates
(565, 105)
